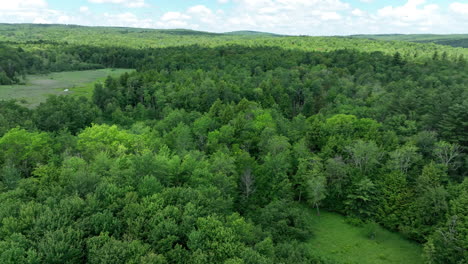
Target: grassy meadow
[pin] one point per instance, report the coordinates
(38, 87)
(344, 243)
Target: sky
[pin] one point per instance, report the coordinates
(292, 17)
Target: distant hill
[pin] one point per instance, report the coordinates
(252, 33)
(186, 32)
(204, 33)
(9, 30)
(454, 40)
(38, 36)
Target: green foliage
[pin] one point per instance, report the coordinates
(15, 249)
(217, 242)
(317, 190)
(61, 246)
(216, 152)
(109, 139)
(25, 150)
(454, 40)
(448, 243)
(361, 199)
(13, 115)
(64, 112)
(105, 249)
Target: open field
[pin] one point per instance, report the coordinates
(38, 87)
(339, 241)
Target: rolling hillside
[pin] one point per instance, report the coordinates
(454, 40)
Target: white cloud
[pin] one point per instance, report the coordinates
(84, 9)
(313, 17)
(282, 16)
(411, 11)
(63, 19)
(358, 12)
(38, 11)
(174, 20)
(173, 24)
(415, 14)
(192, 18)
(204, 15)
(174, 16)
(459, 8)
(27, 11)
(126, 19)
(127, 3)
(200, 10)
(330, 16)
(39, 20)
(22, 4)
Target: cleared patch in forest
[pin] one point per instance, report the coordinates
(38, 87)
(339, 241)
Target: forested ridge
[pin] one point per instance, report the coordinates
(210, 153)
(30, 48)
(454, 40)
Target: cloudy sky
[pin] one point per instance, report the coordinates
(308, 17)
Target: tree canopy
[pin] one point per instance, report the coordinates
(209, 153)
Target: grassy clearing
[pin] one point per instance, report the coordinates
(38, 87)
(339, 241)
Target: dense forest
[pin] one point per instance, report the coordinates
(210, 153)
(454, 40)
(29, 48)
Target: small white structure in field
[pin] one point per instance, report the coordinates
(66, 90)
